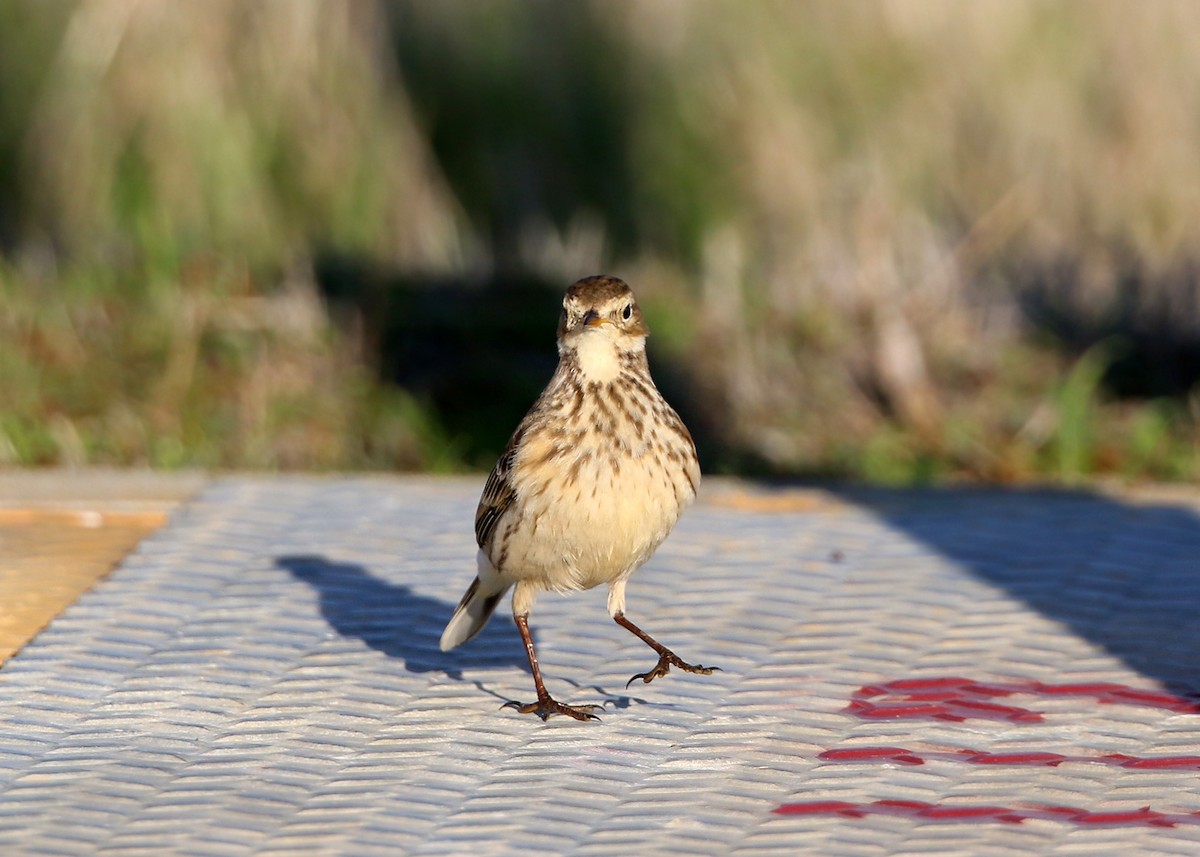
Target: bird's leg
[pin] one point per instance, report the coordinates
(666, 658)
(546, 704)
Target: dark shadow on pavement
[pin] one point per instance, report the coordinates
(1123, 575)
(398, 622)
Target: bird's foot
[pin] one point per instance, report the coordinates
(547, 705)
(667, 660)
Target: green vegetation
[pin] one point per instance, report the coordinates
(900, 241)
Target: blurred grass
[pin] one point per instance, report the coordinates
(200, 372)
(903, 241)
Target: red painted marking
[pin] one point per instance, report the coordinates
(977, 689)
(822, 807)
(1155, 699)
(1145, 815)
(1118, 694)
(1092, 689)
(859, 754)
(1046, 760)
(1186, 762)
(957, 698)
(972, 813)
(906, 756)
(1060, 810)
(898, 807)
(982, 814)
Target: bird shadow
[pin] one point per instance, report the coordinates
(396, 621)
(612, 701)
(399, 623)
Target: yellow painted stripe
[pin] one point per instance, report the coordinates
(48, 558)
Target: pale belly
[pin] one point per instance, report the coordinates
(594, 528)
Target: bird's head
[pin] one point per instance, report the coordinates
(601, 329)
(603, 306)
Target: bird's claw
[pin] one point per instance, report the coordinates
(667, 660)
(546, 706)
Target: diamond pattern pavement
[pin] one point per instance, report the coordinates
(261, 676)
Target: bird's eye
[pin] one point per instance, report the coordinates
(627, 313)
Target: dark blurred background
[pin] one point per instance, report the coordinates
(899, 241)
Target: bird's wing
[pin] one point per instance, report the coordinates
(498, 493)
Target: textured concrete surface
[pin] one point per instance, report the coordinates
(942, 672)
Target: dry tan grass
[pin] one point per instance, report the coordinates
(907, 173)
(842, 213)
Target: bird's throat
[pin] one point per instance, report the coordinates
(598, 357)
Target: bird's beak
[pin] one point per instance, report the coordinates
(591, 318)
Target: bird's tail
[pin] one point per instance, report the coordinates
(473, 611)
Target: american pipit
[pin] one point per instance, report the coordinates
(591, 482)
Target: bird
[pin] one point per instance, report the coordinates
(591, 482)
